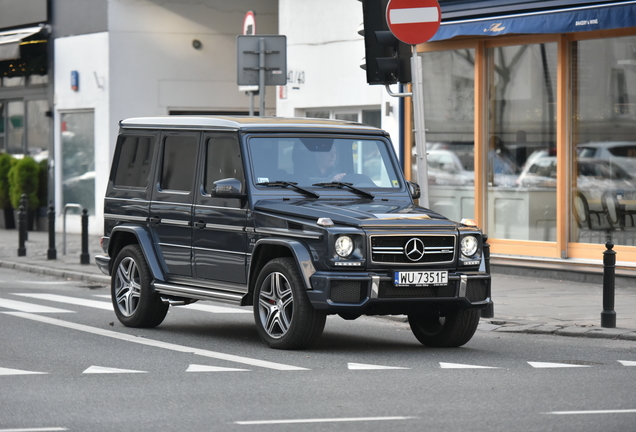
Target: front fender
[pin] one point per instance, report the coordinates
(298, 251)
(144, 240)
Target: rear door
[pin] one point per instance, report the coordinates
(172, 201)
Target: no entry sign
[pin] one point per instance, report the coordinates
(413, 21)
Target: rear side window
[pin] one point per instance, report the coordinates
(135, 160)
(179, 162)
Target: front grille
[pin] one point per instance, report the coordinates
(388, 290)
(393, 249)
(477, 290)
(348, 291)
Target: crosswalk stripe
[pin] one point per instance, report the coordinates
(203, 368)
(545, 365)
(362, 366)
(7, 371)
(69, 300)
(156, 343)
(463, 366)
(29, 307)
(627, 362)
(107, 370)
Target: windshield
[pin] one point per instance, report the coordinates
(309, 161)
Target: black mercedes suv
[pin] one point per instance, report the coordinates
(298, 218)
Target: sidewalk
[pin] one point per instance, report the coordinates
(523, 304)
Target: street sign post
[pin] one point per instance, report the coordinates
(262, 61)
(415, 22)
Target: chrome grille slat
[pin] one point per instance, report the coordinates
(438, 248)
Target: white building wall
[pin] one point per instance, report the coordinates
(324, 52)
(88, 55)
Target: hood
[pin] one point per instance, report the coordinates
(357, 213)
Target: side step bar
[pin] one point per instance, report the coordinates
(198, 293)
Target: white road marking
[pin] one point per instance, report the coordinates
(625, 411)
(69, 300)
(322, 420)
(362, 366)
(627, 362)
(7, 371)
(203, 307)
(29, 307)
(45, 429)
(156, 343)
(413, 15)
(544, 365)
(107, 370)
(463, 366)
(203, 368)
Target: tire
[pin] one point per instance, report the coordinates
(135, 304)
(285, 319)
(452, 328)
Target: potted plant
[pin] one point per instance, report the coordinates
(23, 179)
(6, 210)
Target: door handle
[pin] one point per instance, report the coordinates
(155, 220)
(199, 224)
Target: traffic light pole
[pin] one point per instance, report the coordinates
(420, 127)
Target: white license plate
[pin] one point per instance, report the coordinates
(420, 278)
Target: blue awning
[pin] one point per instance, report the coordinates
(570, 20)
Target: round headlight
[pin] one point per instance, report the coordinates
(344, 246)
(469, 246)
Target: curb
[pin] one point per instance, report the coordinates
(61, 273)
(569, 331)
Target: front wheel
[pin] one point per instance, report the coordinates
(451, 328)
(285, 319)
(135, 304)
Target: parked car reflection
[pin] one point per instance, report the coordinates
(622, 153)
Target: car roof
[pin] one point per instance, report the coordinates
(249, 124)
(608, 144)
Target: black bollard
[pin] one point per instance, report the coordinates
(22, 229)
(51, 253)
(84, 257)
(24, 202)
(489, 312)
(608, 316)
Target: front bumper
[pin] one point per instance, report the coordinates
(375, 294)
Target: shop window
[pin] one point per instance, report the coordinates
(604, 141)
(78, 158)
(449, 111)
(521, 131)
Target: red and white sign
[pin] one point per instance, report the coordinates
(413, 21)
(249, 24)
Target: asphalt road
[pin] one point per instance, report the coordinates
(67, 364)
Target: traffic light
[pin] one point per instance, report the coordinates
(387, 60)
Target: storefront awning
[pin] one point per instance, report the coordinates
(10, 41)
(566, 20)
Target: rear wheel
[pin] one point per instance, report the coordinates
(135, 304)
(451, 328)
(285, 319)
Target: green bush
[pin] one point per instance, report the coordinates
(23, 179)
(6, 161)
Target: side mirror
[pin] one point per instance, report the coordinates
(229, 187)
(414, 188)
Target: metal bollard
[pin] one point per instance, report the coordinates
(84, 257)
(24, 203)
(51, 253)
(489, 312)
(22, 228)
(608, 316)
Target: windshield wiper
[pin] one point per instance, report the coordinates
(347, 185)
(283, 183)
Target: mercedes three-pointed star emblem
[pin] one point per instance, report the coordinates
(414, 249)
